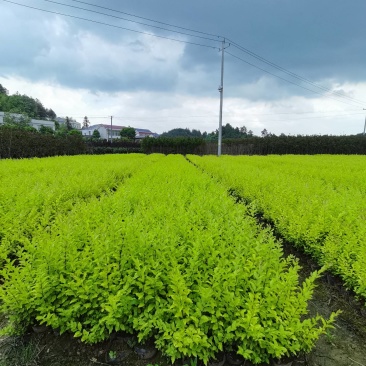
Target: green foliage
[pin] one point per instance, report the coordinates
(26, 142)
(68, 124)
(17, 121)
(183, 132)
(23, 104)
(3, 90)
(75, 133)
(96, 135)
(299, 145)
(168, 256)
(128, 133)
(315, 202)
(45, 130)
(172, 145)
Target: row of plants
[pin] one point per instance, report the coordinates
(170, 258)
(316, 202)
(33, 192)
(303, 145)
(16, 143)
(254, 145)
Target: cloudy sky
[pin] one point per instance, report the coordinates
(293, 67)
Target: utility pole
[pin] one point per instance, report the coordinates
(221, 90)
(111, 128)
(364, 127)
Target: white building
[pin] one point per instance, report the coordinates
(36, 123)
(105, 131)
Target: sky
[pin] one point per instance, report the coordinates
(292, 67)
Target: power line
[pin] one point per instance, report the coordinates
(215, 116)
(110, 25)
(291, 113)
(337, 94)
(148, 19)
(318, 117)
(288, 81)
(251, 53)
(290, 73)
(129, 20)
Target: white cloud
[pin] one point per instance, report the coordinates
(161, 112)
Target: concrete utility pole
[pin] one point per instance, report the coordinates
(111, 128)
(221, 90)
(364, 127)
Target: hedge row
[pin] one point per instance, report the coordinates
(25, 144)
(303, 145)
(17, 143)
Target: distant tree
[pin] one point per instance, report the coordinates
(41, 111)
(264, 133)
(86, 122)
(68, 124)
(182, 132)
(243, 130)
(96, 135)
(229, 132)
(128, 133)
(3, 90)
(75, 133)
(51, 114)
(21, 121)
(61, 129)
(45, 130)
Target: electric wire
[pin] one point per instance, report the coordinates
(72, 115)
(236, 45)
(251, 53)
(288, 81)
(111, 25)
(129, 20)
(292, 74)
(148, 19)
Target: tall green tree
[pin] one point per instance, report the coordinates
(3, 90)
(68, 124)
(96, 135)
(128, 133)
(45, 130)
(86, 122)
(51, 114)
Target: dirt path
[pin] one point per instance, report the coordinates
(345, 345)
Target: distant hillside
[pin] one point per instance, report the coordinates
(24, 104)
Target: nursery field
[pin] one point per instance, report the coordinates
(317, 203)
(156, 247)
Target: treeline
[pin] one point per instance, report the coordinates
(228, 132)
(23, 104)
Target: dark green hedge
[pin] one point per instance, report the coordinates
(115, 147)
(304, 145)
(17, 143)
(173, 145)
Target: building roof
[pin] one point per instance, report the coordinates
(141, 131)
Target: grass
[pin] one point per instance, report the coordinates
(16, 351)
